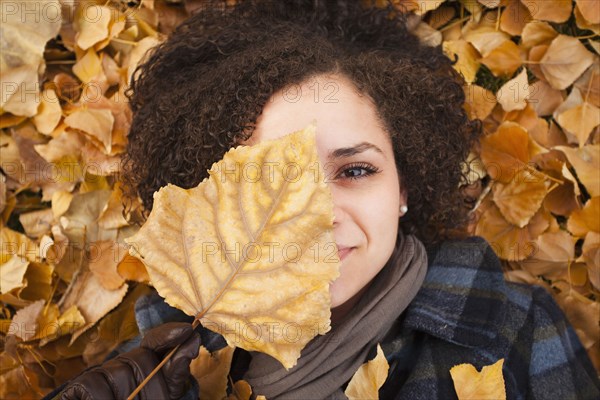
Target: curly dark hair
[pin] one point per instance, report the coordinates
(201, 91)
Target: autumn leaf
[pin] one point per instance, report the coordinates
(211, 372)
(467, 57)
(92, 30)
(369, 378)
(12, 272)
(550, 10)
(207, 250)
(587, 219)
(514, 93)
(479, 101)
(24, 36)
(580, 120)
(565, 60)
(514, 17)
(590, 9)
(554, 252)
(504, 60)
(586, 161)
(537, 33)
(485, 385)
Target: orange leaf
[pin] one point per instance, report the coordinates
(586, 161)
(549, 10)
(580, 121)
(587, 219)
(520, 199)
(504, 60)
(565, 60)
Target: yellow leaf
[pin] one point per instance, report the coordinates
(97, 123)
(583, 23)
(24, 324)
(104, 258)
(20, 91)
(514, 93)
(60, 203)
(490, 3)
(12, 272)
(586, 161)
(485, 385)
(253, 230)
(89, 69)
(553, 253)
(580, 121)
(467, 63)
(365, 382)
(504, 60)
(550, 10)
(49, 112)
(479, 102)
(484, 36)
(15, 243)
(587, 219)
(514, 17)
(211, 371)
(590, 9)
(132, 269)
(565, 60)
(509, 241)
(520, 199)
(537, 33)
(508, 151)
(93, 24)
(590, 253)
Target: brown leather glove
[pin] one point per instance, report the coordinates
(118, 377)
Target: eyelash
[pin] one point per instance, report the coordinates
(369, 170)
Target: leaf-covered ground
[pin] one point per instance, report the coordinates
(67, 283)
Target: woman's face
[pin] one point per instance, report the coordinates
(357, 157)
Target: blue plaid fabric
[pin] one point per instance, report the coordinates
(464, 313)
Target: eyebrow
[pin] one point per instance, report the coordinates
(344, 152)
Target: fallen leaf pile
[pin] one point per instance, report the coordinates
(68, 284)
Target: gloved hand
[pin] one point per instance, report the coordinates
(118, 377)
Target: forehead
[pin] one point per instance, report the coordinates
(344, 116)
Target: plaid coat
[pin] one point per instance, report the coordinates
(464, 313)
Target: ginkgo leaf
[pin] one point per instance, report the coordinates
(590, 253)
(479, 102)
(49, 112)
(587, 219)
(553, 253)
(12, 273)
(508, 151)
(580, 121)
(485, 385)
(504, 59)
(520, 199)
(467, 62)
(246, 251)
(586, 161)
(514, 93)
(365, 382)
(537, 33)
(590, 9)
(92, 30)
(550, 10)
(565, 60)
(97, 123)
(514, 17)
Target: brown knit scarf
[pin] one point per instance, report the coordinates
(330, 360)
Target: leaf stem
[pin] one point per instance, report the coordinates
(159, 366)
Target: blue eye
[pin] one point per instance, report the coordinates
(357, 171)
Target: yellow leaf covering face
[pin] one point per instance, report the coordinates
(250, 251)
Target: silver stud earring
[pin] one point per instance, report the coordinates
(403, 209)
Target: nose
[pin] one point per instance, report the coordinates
(339, 213)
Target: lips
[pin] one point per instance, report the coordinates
(343, 251)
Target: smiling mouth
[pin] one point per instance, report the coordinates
(344, 251)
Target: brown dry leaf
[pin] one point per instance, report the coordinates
(586, 162)
(15, 243)
(89, 71)
(96, 123)
(537, 33)
(104, 258)
(24, 36)
(365, 382)
(39, 282)
(132, 269)
(589, 85)
(554, 252)
(241, 391)
(514, 93)
(467, 64)
(24, 324)
(562, 200)
(49, 112)
(483, 35)
(509, 241)
(91, 298)
(544, 98)
(514, 17)
(485, 385)
(138, 54)
(587, 219)
(490, 3)
(479, 102)
(508, 151)
(37, 223)
(590, 10)
(521, 198)
(565, 60)
(112, 216)
(67, 144)
(211, 371)
(12, 272)
(580, 120)
(549, 10)
(590, 253)
(504, 60)
(92, 30)
(61, 200)
(582, 23)
(209, 248)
